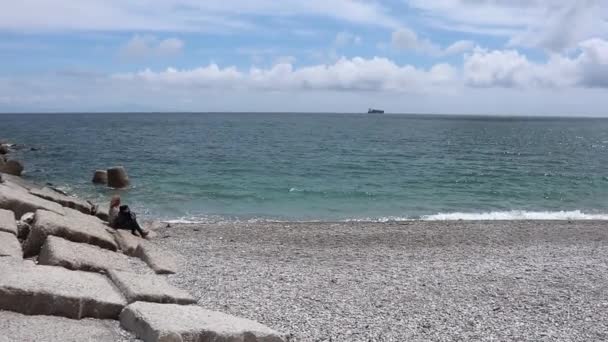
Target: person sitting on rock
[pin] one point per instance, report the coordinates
(121, 217)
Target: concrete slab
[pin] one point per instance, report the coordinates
(7, 222)
(126, 241)
(162, 262)
(10, 246)
(170, 322)
(56, 291)
(21, 202)
(57, 251)
(66, 201)
(73, 228)
(149, 288)
(18, 327)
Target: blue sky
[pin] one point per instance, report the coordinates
(528, 57)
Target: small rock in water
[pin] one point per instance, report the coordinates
(100, 177)
(117, 177)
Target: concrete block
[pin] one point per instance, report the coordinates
(170, 322)
(162, 262)
(73, 228)
(18, 327)
(56, 291)
(21, 202)
(149, 288)
(57, 251)
(7, 222)
(10, 246)
(66, 201)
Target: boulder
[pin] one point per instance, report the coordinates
(24, 328)
(50, 290)
(19, 201)
(4, 149)
(74, 228)
(162, 262)
(10, 246)
(171, 322)
(12, 167)
(66, 201)
(100, 177)
(79, 256)
(117, 177)
(7, 222)
(149, 288)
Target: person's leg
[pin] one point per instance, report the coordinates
(134, 226)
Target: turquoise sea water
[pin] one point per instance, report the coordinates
(325, 166)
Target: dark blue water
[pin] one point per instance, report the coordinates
(325, 166)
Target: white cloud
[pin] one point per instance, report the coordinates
(554, 25)
(178, 15)
(406, 39)
(509, 68)
(149, 46)
(356, 74)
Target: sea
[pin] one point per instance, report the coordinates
(212, 167)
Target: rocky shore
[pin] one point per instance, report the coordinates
(403, 281)
(67, 273)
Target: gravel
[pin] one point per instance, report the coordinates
(403, 281)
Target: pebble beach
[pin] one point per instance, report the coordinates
(403, 281)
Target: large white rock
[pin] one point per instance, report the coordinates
(21, 202)
(176, 323)
(7, 222)
(66, 201)
(23, 328)
(50, 290)
(149, 288)
(10, 246)
(74, 228)
(161, 261)
(57, 251)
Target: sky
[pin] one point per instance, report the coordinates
(507, 57)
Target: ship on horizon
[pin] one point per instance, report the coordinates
(375, 111)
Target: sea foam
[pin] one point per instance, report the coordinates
(517, 215)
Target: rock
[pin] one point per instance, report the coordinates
(162, 262)
(19, 327)
(4, 149)
(126, 241)
(66, 201)
(50, 290)
(117, 177)
(102, 213)
(7, 222)
(10, 246)
(100, 177)
(149, 288)
(79, 256)
(17, 182)
(12, 167)
(73, 228)
(171, 322)
(19, 201)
